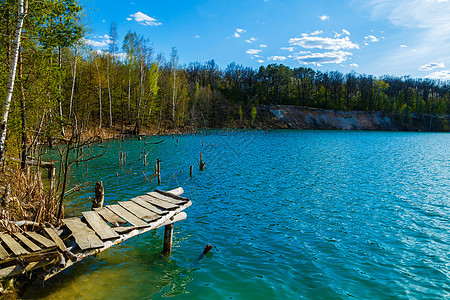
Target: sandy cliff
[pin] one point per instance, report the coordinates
(294, 117)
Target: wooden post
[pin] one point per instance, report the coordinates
(158, 170)
(168, 233)
(99, 195)
(190, 171)
(201, 164)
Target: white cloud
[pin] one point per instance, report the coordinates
(324, 17)
(95, 43)
(443, 75)
(290, 49)
(317, 32)
(334, 57)
(263, 46)
(354, 65)
(429, 19)
(144, 19)
(197, 36)
(281, 58)
(104, 41)
(260, 61)
(238, 32)
(403, 46)
(253, 51)
(343, 32)
(250, 40)
(370, 39)
(431, 66)
(310, 42)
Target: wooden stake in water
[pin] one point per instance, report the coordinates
(99, 195)
(201, 164)
(168, 233)
(190, 171)
(158, 170)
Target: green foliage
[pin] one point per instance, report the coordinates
(253, 114)
(240, 113)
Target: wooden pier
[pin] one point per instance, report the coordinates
(51, 250)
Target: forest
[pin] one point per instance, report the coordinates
(63, 85)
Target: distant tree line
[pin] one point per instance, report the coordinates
(63, 85)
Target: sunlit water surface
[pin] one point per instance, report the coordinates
(291, 214)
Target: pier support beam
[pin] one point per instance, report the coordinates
(168, 233)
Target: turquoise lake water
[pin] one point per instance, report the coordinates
(291, 215)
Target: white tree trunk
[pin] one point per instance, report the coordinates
(99, 94)
(109, 90)
(73, 82)
(174, 93)
(12, 76)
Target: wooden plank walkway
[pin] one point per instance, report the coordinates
(84, 236)
(93, 233)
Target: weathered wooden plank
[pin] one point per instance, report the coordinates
(84, 236)
(31, 266)
(11, 271)
(123, 229)
(109, 216)
(100, 227)
(27, 242)
(152, 218)
(3, 253)
(172, 195)
(41, 239)
(171, 217)
(159, 202)
(125, 214)
(139, 211)
(167, 198)
(149, 206)
(14, 246)
(55, 237)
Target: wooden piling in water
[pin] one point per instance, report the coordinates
(99, 195)
(158, 170)
(168, 233)
(190, 171)
(201, 164)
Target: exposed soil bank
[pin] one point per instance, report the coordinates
(295, 117)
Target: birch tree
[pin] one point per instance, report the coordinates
(22, 12)
(174, 63)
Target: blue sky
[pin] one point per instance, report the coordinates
(403, 37)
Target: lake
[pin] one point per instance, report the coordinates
(291, 214)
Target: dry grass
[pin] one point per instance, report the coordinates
(27, 200)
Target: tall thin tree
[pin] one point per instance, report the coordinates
(23, 7)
